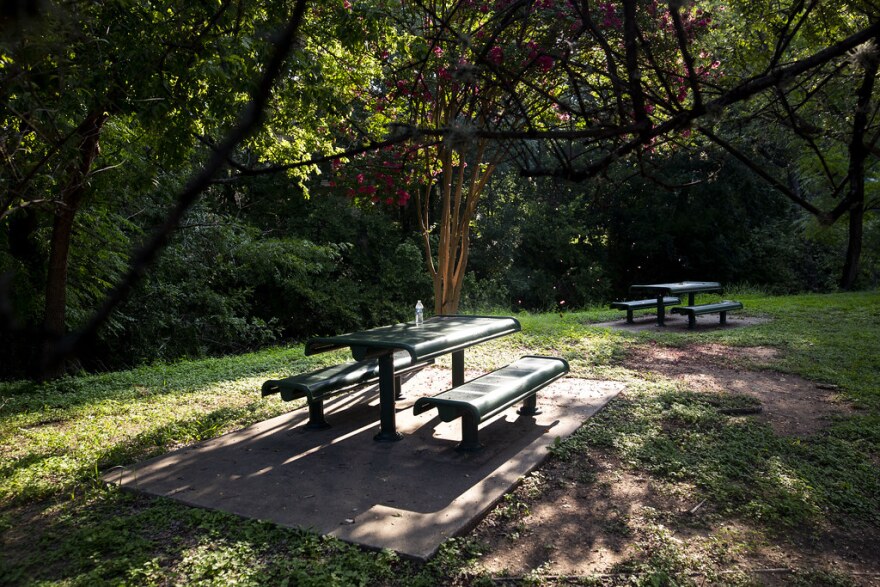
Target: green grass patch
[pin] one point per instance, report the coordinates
(60, 526)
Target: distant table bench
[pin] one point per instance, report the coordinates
(717, 308)
(660, 290)
(488, 395)
(316, 386)
(632, 305)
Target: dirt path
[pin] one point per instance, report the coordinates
(581, 518)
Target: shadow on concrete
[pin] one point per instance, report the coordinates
(408, 496)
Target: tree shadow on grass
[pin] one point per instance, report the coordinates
(739, 462)
(121, 538)
(24, 398)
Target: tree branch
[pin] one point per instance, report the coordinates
(781, 187)
(740, 93)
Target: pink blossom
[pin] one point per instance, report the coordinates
(610, 17)
(544, 63)
(682, 93)
(496, 55)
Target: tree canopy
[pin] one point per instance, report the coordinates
(119, 116)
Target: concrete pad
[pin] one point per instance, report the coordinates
(679, 323)
(408, 496)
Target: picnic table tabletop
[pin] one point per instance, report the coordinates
(436, 336)
(677, 287)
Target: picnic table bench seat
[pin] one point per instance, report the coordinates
(697, 310)
(631, 305)
(488, 395)
(318, 385)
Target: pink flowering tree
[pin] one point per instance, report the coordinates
(468, 83)
(471, 79)
(446, 91)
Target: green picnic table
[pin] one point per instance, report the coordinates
(437, 336)
(661, 290)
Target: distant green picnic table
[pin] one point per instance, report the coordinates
(663, 298)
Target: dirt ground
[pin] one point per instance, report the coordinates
(577, 518)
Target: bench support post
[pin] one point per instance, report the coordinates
(316, 416)
(387, 410)
(398, 387)
(530, 406)
(629, 316)
(692, 321)
(661, 311)
(724, 317)
(470, 441)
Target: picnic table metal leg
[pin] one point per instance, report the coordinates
(457, 368)
(661, 311)
(691, 298)
(387, 390)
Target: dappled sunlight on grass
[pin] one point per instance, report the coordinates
(792, 488)
(45, 455)
(57, 438)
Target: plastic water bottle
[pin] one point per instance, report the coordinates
(420, 313)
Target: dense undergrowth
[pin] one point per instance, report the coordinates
(61, 526)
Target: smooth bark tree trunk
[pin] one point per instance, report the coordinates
(459, 190)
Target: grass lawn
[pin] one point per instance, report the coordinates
(60, 526)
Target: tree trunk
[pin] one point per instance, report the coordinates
(72, 194)
(460, 188)
(853, 247)
(858, 153)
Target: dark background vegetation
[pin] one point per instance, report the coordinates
(125, 124)
(258, 262)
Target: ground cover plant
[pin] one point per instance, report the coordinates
(691, 476)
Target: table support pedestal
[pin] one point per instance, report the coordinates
(387, 411)
(457, 368)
